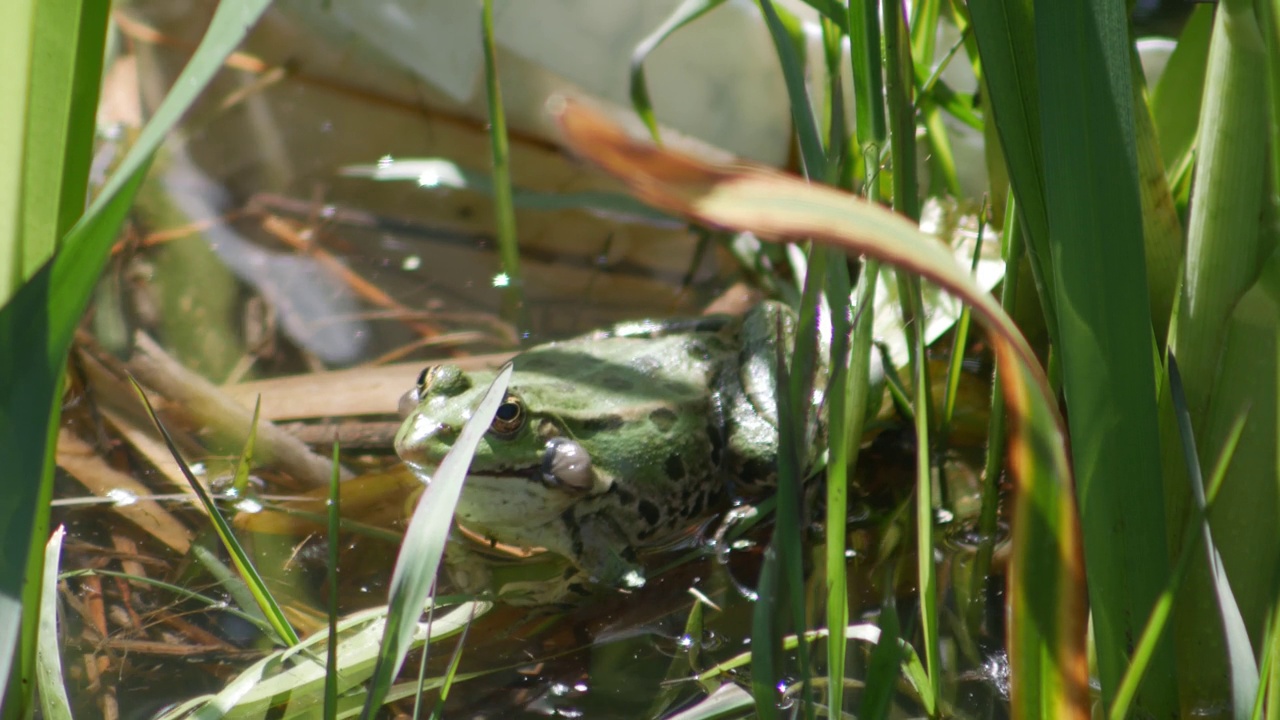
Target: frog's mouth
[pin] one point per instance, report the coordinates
(497, 477)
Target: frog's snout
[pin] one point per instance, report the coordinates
(408, 403)
(418, 436)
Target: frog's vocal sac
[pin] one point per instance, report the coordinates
(610, 441)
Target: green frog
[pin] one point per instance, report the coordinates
(611, 441)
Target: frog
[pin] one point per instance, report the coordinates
(612, 441)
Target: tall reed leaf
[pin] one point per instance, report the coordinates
(1047, 625)
(37, 322)
(1005, 34)
(52, 57)
(1226, 348)
(1104, 325)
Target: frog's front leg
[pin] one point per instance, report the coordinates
(467, 568)
(470, 572)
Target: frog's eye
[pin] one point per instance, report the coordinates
(424, 376)
(510, 416)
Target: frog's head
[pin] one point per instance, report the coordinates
(526, 470)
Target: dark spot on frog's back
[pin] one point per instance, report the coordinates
(604, 423)
(649, 512)
(616, 383)
(663, 418)
(675, 467)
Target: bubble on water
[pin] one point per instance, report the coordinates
(411, 263)
(711, 640)
(785, 698)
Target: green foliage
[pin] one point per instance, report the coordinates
(40, 315)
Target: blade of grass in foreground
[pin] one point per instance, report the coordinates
(335, 548)
(424, 542)
(53, 690)
(1005, 35)
(270, 608)
(1104, 328)
(1047, 625)
(1197, 526)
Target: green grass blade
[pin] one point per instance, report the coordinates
(1104, 325)
(66, 72)
(51, 52)
(787, 38)
(846, 403)
(26, 408)
(795, 390)
(869, 125)
(899, 89)
(728, 701)
(1269, 20)
(1226, 322)
(424, 542)
(451, 673)
(1047, 619)
(960, 340)
(1268, 703)
(685, 13)
(883, 668)
(54, 704)
(1161, 227)
(1005, 35)
(1146, 646)
(1223, 244)
(1241, 664)
(17, 42)
(1175, 100)
(289, 682)
(239, 558)
(335, 555)
(996, 426)
(926, 571)
(503, 205)
(240, 481)
(766, 644)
